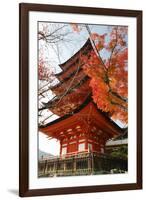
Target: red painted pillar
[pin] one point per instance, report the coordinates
(77, 145)
(60, 147)
(86, 143)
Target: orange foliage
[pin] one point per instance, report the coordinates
(109, 79)
(99, 40)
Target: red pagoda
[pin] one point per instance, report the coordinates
(82, 128)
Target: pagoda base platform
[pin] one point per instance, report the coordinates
(82, 164)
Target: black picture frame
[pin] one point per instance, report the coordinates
(24, 9)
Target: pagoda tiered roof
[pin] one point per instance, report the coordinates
(71, 81)
(73, 88)
(75, 62)
(68, 101)
(86, 115)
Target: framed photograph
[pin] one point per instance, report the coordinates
(80, 99)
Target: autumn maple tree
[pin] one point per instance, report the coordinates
(109, 74)
(106, 65)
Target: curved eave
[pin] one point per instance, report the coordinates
(59, 121)
(68, 115)
(81, 49)
(69, 92)
(65, 79)
(124, 134)
(74, 57)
